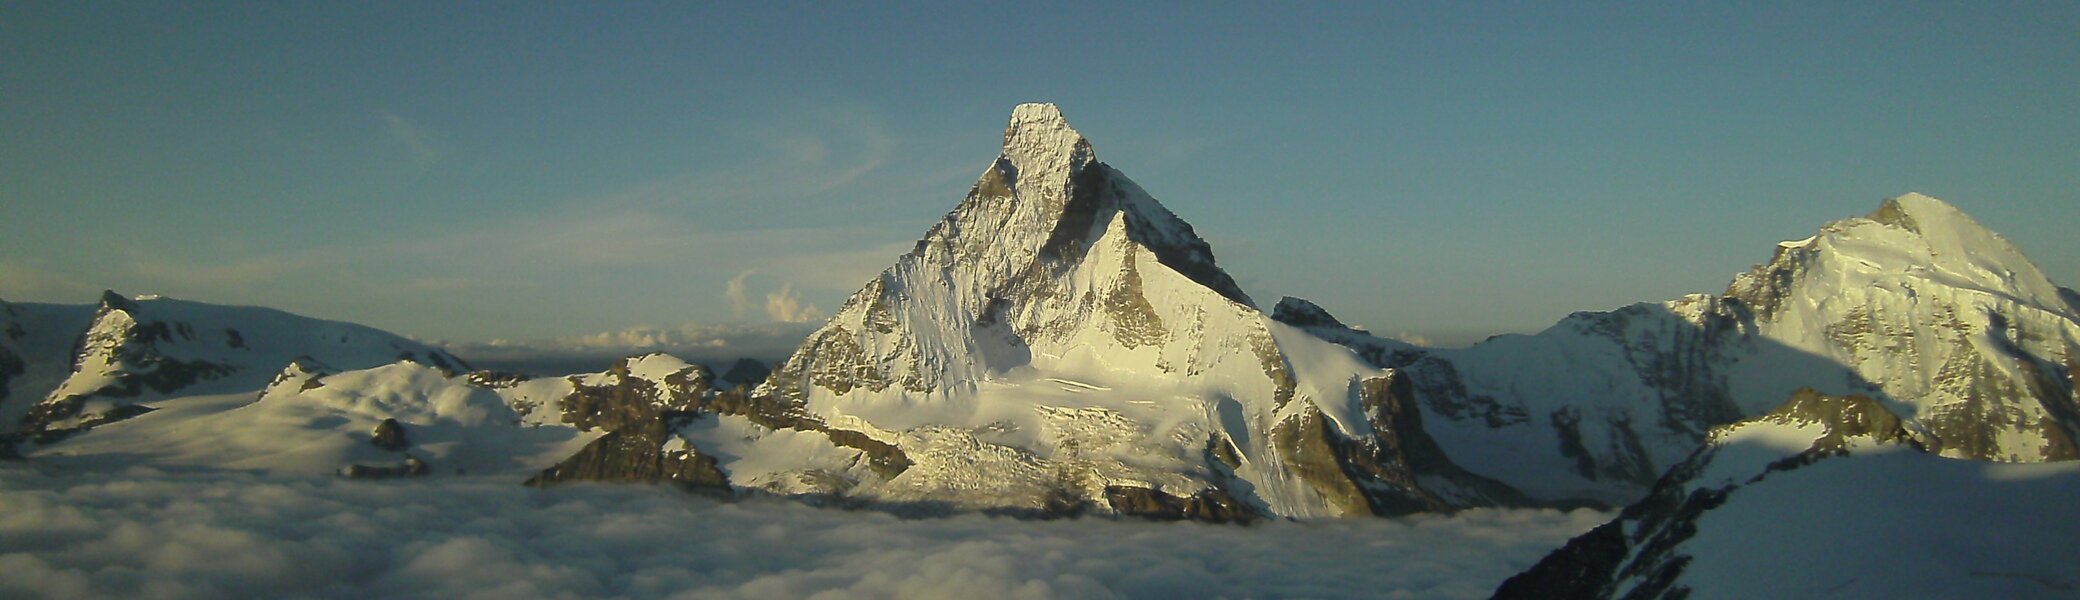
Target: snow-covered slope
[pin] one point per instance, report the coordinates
(1916, 306)
(1826, 497)
(1061, 342)
(1592, 409)
(133, 352)
(311, 420)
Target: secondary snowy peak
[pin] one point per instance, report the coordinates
(1947, 320)
(1910, 239)
(135, 351)
(1916, 306)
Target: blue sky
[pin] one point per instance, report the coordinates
(1450, 170)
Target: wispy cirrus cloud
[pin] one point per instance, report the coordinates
(421, 144)
(656, 250)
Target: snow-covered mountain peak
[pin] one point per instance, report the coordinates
(1911, 242)
(1039, 138)
(1961, 332)
(1061, 339)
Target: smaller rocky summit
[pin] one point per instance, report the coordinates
(636, 389)
(1300, 312)
(746, 371)
(645, 452)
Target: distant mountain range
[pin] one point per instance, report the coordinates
(1060, 343)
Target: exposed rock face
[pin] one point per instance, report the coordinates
(746, 371)
(11, 362)
(1640, 556)
(1213, 506)
(644, 452)
(389, 435)
(137, 351)
(1301, 313)
(634, 390)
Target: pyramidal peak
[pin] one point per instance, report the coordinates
(1039, 138)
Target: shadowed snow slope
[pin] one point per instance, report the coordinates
(1827, 497)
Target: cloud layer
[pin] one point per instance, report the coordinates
(146, 534)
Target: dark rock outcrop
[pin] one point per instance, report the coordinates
(885, 459)
(645, 452)
(746, 371)
(628, 399)
(1299, 312)
(411, 467)
(389, 435)
(1212, 505)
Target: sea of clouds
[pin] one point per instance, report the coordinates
(147, 533)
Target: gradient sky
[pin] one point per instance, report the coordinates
(1451, 170)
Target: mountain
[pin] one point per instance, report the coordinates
(1061, 342)
(1825, 496)
(128, 353)
(1962, 333)
(1916, 306)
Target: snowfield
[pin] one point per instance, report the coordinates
(144, 533)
